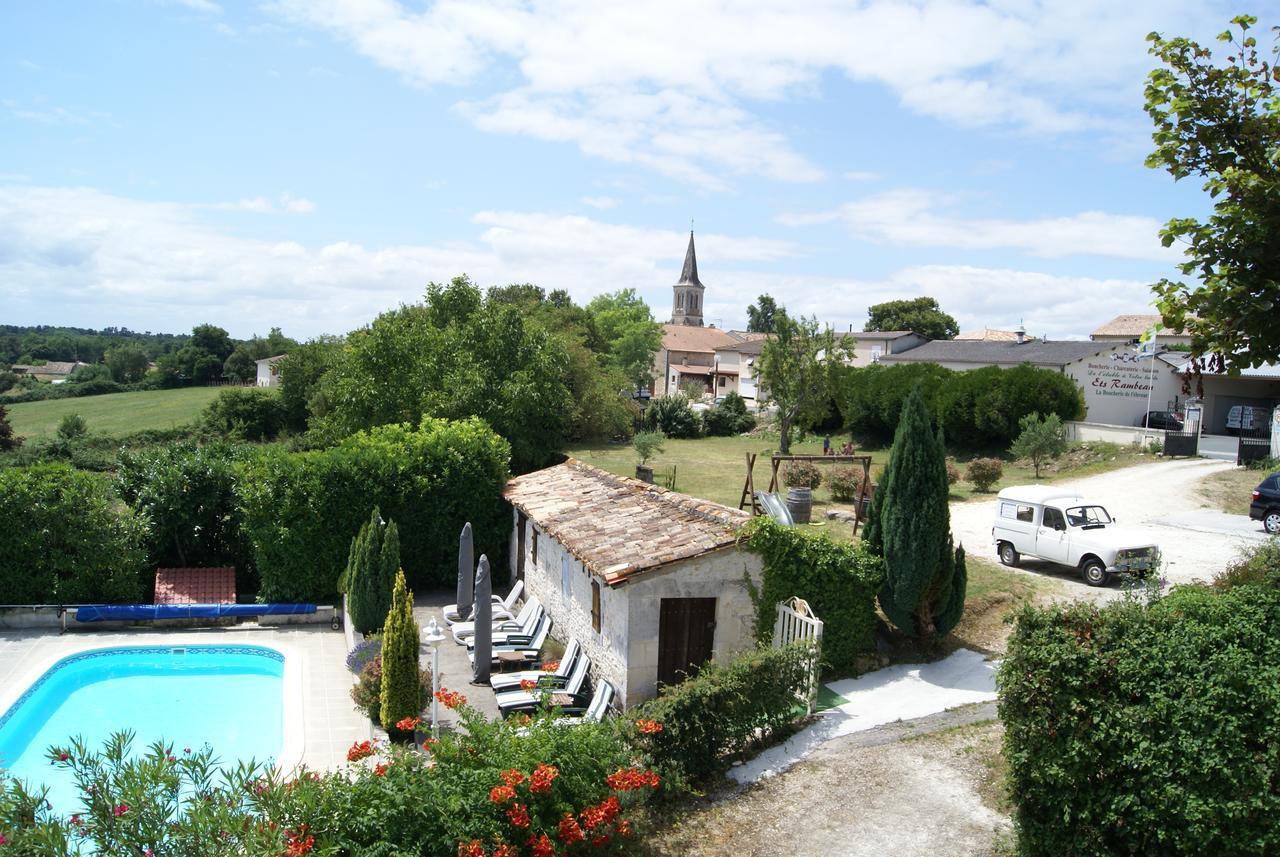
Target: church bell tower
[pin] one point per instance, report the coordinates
(686, 302)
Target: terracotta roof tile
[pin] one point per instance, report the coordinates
(616, 526)
(195, 586)
(683, 337)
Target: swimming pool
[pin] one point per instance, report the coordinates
(229, 697)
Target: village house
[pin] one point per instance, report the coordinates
(869, 346)
(651, 582)
(269, 371)
(55, 371)
(1129, 328)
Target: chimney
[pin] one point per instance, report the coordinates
(851, 328)
(1021, 332)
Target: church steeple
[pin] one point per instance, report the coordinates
(686, 300)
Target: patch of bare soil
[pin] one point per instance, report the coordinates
(926, 795)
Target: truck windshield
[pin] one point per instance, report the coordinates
(1088, 516)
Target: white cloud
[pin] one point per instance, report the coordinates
(284, 204)
(910, 217)
(670, 84)
(601, 202)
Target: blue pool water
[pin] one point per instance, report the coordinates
(228, 697)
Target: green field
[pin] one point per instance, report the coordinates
(114, 414)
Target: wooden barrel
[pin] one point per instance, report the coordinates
(800, 504)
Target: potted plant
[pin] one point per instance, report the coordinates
(647, 444)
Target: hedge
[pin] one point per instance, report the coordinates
(300, 510)
(839, 581)
(1146, 730)
(727, 709)
(65, 539)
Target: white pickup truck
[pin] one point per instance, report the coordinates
(1063, 527)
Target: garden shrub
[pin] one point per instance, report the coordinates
(672, 416)
(984, 472)
(400, 670)
(366, 693)
(301, 509)
(245, 413)
(953, 472)
(845, 482)
(1135, 729)
(730, 417)
(647, 444)
(801, 474)
(1259, 564)
(65, 539)
(365, 650)
(840, 582)
(1042, 439)
(727, 709)
(72, 426)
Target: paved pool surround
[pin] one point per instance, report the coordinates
(320, 722)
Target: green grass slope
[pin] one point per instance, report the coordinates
(114, 414)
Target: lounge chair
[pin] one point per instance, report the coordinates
(503, 608)
(524, 700)
(511, 636)
(512, 680)
(595, 710)
(525, 651)
(523, 622)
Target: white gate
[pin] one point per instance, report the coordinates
(796, 622)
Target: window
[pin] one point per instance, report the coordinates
(680, 300)
(723, 381)
(1026, 513)
(1053, 519)
(595, 606)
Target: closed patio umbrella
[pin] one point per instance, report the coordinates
(466, 572)
(484, 624)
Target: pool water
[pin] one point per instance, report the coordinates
(230, 698)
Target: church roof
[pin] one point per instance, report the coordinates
(689, 274)
(683, 337)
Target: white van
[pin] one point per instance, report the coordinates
(1063, 527)
(1246, 418)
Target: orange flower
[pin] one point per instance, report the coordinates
(505, 850)
(527, 684)
(624, 827)
(360, 750)
(512, 777)
(649, 727)
(450, 698)
(409, 724)
(471, 849)
(570, 832)
(541, 846)
(501, 794)
(550, 666)
(631, 779)
(540, 780)
(518, 815)
(380, 769)
(600, 841)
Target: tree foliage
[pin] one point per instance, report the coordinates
(370, 574)
(300, 374)
(65, 539)
(8, 440)
(1042, 439)
(909, 526)
(760, 315)
(1221, 122)
(629, 334)
(245, 413)
(128, 363)
(918, 315)
(795, 371)
(401, 686)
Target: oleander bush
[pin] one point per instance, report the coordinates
(801, 474)
(840, 582)
(984, 472)
(300, 510)
(1146, 729)
(845, 482)
(726, 710)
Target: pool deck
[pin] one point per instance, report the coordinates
(455, 668)
(330, 723)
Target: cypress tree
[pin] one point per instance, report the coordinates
(388, 565)
(909, 526)
(368, 595)
(401, 693)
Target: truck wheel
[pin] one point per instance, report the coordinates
(1271, 522)
(1009, 554)
(1094, 572)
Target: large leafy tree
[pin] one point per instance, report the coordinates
(760, 315)
(630, 335)
(127, 362)
(919, 315)
(910, 527)
(300, 376)
(795, 371)
(1221, 121)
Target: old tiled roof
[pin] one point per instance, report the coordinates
(52, 367)
(987, 334)
(195, 586)
(874, 334)
(1037, 352)
(1132, 325)
(689, 273)
(618, 527)
(750, 347)
(683, 337)
(270, 361)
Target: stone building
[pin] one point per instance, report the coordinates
(686, 297)
(651, 582)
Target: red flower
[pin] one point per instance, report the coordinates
(120, 810)
(624, 827)
(470, 849)
(409, 724)
(518, 815)
(450, 698)
(62, 757)
(550, 666)
(502, 794)
(298, 843)
(570, 832)
(631, 779)
(540, 780)
(649, 727)
(505, 850)
(527, 684)
(360, 750)
(380, 769)
(512, 777)
(541, 846)
(601, 814)
(600, 841)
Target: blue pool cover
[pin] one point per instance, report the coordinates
(129, 612)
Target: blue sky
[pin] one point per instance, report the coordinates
(311, 163)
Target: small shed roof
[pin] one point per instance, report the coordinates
(195, 586)
(616, 526)
(272, 360)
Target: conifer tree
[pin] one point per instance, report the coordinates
(371, 567)
(909, 526)
(8, 440)
(401, 691)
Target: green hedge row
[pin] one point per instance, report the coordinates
(839, 581)
(64, 540)
(1146, 730)
(301, 510)
(727, 709)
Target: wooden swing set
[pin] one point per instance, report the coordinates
(864, 490)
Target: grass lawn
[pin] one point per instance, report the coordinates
(114, 414)
(1230, 490)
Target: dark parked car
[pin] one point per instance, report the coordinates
(1266, 504)
(1166, 420)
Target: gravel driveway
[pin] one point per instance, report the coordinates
(1159, 499)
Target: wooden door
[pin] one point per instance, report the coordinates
(522, 521)
(686, 637)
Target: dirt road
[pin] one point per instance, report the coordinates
(1159, 499)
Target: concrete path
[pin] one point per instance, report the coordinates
(900, 692)
(455, 667)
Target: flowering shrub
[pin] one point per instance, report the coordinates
(984, 472)
(802, 474)
(845, 482)
(364, 652)
(450, 698)
(367, 693)
(360, 750)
